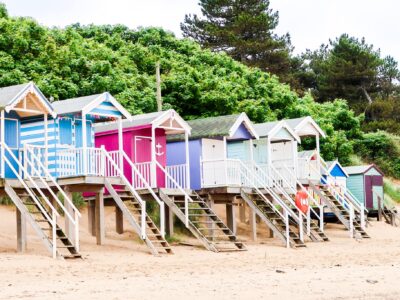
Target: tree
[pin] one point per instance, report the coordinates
(351, 69)
(244, 30)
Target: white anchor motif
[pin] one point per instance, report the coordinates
(158, 150)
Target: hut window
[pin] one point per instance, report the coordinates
(65, 126)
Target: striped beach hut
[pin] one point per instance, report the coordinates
(71, 148)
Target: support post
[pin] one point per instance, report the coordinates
(46, 142)
(253, 224)
(91, 217)
(153, 158)
(84, 144)
(119, 220)
(120, 144)
(269, 161)
(187, 160)
(2, 125)
(318, 153)
(99, 211)
(169, 220)
(230, 217)
(210, 225)
(69, 226)
(242, 211)
(295, 160)
(21, 232)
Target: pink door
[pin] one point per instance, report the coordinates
(142, 160)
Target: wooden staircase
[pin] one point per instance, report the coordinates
(35, 213)
(391, 215)
(132, 211)
(203, 223)
(266, 210)
(340, 210)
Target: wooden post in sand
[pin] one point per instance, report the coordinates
(211, 225)
(253, 224)
(242, 211)
(69, 227)
(119, 220)
(91, 217)
(169, 221)
(230, 216)
(99, 212)
(21, 231)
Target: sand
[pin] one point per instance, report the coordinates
(122, 268)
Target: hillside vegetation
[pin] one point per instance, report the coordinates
(82, 60)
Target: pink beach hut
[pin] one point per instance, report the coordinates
(144, 142)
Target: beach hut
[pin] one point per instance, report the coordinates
(27, 180)
(276, 151)
(144, 141)
(338, 175)
(209, 142)
(306, 127)
(366, 184)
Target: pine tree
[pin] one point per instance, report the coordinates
(244, 30)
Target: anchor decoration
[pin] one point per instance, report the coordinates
(159, 152)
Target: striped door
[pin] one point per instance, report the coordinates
(12, 140)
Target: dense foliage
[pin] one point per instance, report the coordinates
(82, 60)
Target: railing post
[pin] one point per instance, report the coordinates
(301, 227)
(309, 220)
(143, 220)
(362, 216)
(76, 217)
(54, 234)
(162, 219)
(321, 217)
(351, 221)
(103, 161)
(287, 229)
(186, 212)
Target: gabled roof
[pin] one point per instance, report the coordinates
(155, 119)
(12, 95)
(298, 123)
(308, 154)
(331, 165)
(353, 170)
(222, 126)
(86, 103)
(269, 129)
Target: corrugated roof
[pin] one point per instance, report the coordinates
(263, 129)
(10, 92)
(306, 154)
(137, 120)
(208, 127)
(73, 105)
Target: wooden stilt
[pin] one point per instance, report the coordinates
(91, 217)
(169, 221)
(242, 211)
(253, 224)
(69, 227)
(99, 212)
(21, 232)
(271, 233)
(230, 217)
(211, 226)
(119, 220)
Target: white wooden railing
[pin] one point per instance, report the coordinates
(71, 162)
(178, 174)
(145, 171)
(221, 172)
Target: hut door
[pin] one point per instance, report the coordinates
(78, 134)
(213, 162)
(373, 189)
(142, 156)
(11, 139)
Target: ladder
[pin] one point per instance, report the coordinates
(133, 206)
(343, 210)
(38, 203)
(265, 202)
(203, 223)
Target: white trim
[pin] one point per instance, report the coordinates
(310, 120)
(243, 118)
(31, 87)
(336, 162)
(172, 115)
(106, 96)
(284, 125)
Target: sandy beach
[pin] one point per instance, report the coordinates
(123, 269)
